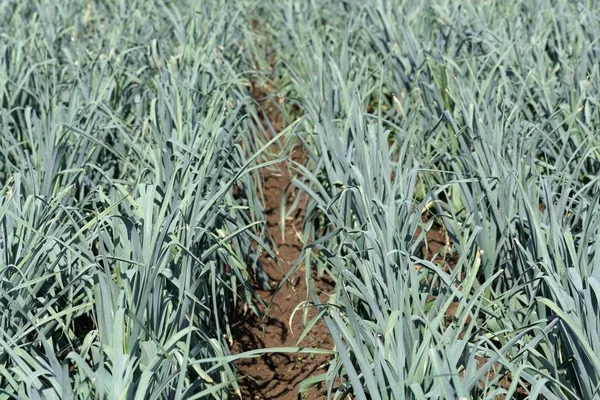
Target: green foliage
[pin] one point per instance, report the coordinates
(130, 199)
(476, 111)
(122, 248)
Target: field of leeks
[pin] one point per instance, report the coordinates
(125, 127)
(130, 193)
(486, 114)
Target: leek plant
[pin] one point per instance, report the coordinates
(123, 244)
(484, 114)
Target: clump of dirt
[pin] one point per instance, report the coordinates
(277, 375)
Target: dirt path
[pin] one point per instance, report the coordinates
(277, 376)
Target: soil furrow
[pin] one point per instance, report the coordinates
(277, 375)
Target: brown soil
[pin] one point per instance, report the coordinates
(277, 375)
